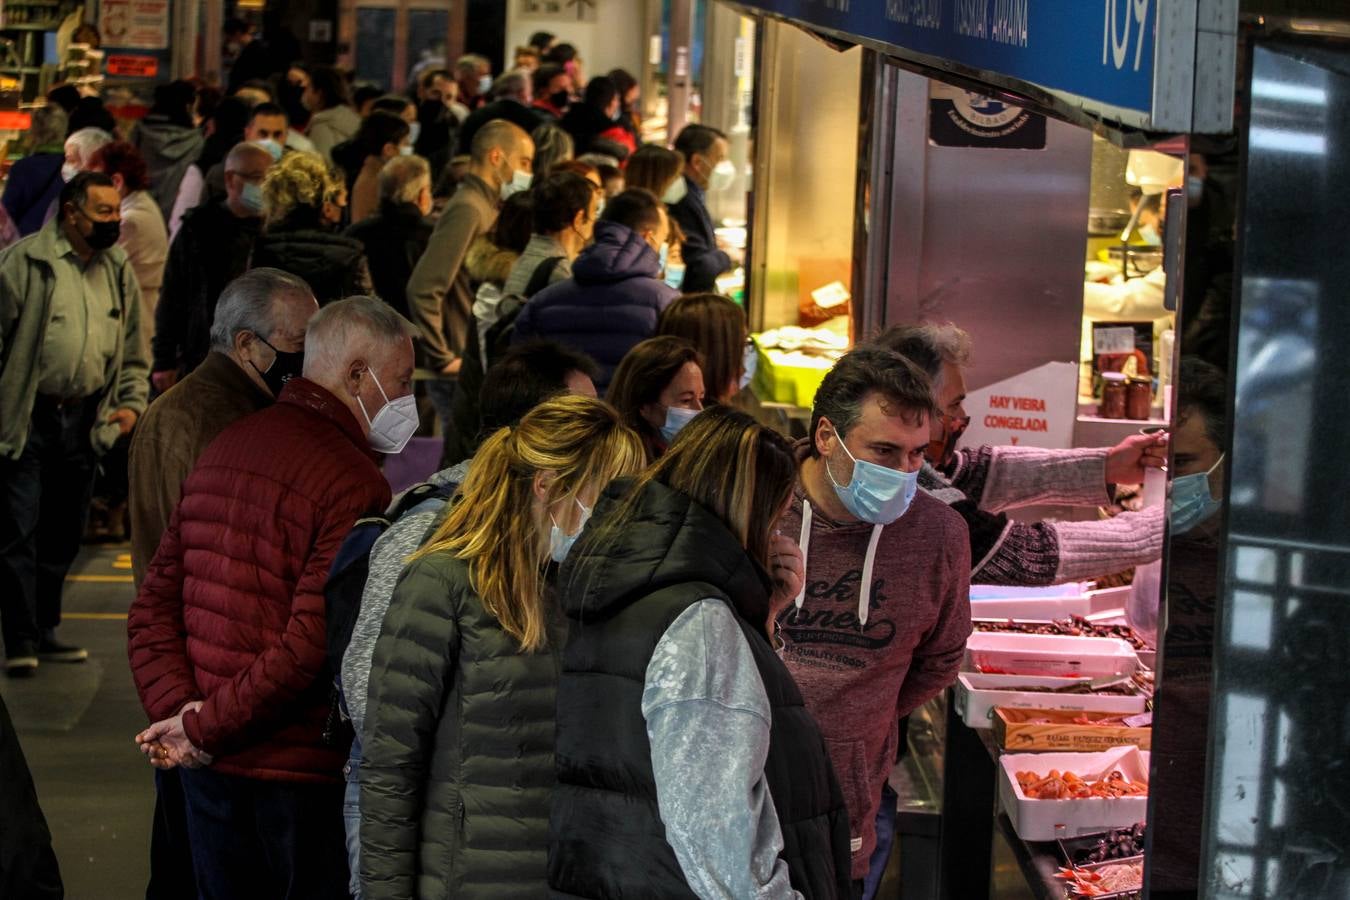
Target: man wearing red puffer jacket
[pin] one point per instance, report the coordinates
(227, 635)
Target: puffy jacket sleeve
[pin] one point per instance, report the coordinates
(157, 637)
(409, 679)
(265, 692)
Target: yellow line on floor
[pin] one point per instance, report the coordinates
(122, 565)
(100, 579)
(95, 617)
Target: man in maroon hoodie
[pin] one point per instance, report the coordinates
(227, 634)
(881, 624)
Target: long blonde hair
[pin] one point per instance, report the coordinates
(490, 526)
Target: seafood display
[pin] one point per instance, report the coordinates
(1118, 843)
(1069, 786)
(1105, 880)
(1074, 626)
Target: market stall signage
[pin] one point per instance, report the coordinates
(958, 118)
(132, 66)
(134, 24)
(1035, 409)
(1116, 58)
(13, 120)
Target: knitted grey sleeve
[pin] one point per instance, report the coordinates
(1043, 553)
(1093, 549)
(1029, 476)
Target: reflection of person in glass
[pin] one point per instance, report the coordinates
(1182, 701)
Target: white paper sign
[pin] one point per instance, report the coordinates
(140, 24)
(831, 295)
(1034, 409)
(1108, 341)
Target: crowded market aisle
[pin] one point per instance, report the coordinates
(75, 723)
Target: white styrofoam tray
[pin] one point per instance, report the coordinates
(977, 695)
(992, 601)
(1046, 820)
(1049, 654)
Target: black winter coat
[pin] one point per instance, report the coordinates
(395, 239)
(457, 771)
(622, 588)
(334, 266)
(212, 249)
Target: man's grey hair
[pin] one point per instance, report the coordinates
(472, 61)
(928, 346)
(403, 177)
(87, 141)
(599, 159)
(357, 324)
(48, 126)
(248, 304)
(512, 84)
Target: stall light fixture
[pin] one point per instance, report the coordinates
(1281, 141)
(1266, 89)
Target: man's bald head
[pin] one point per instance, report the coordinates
(244, 153)
(499, 135)
(499, 150)
(245, 166)
(361, 351)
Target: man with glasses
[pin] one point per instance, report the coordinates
(212, 249)
(72, 381)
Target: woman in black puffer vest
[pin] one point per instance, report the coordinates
(687, 764)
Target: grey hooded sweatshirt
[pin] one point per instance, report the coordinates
(169, 149)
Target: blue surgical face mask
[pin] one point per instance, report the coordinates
(272, 147)
(676, 418)
(875, 493)
(1192, 501)
(675, 274)
(663, 255)
(414, 132)
(560, 542)
(251, 198)
(750, 364)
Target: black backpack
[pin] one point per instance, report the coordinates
(351, 567)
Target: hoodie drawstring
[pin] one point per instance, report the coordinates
(869, 563)
(805, 543)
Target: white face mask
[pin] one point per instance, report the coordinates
(722, 175)
(414, 132)
(520, 181)
(394, 424)
(69, 171)
(676, 192)
(560, 542)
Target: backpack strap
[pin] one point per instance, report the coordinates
(543, 274)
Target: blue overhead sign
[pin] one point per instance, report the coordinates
(1098, 50)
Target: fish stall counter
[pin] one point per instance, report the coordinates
(1045, 744)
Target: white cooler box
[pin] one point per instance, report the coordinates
(1039, 604)
(1049, 654)
(977, 695)
(1046, 820)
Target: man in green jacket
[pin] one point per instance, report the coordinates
(72, 381)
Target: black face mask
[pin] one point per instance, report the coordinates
(560, 99)
(284, 367)
(103, 234)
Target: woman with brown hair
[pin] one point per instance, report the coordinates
(716, 326)
(457, 769)
(687, 762)
(658, 389)
(656, 169)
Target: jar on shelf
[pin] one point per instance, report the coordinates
(1113, 396)
(1138, 397)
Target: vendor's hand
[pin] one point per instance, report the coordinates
(125, 420)
(787, 568)
(453, 367)
(1126, 462)
(164, 380)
